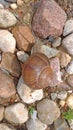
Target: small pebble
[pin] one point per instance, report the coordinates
(69, 68)
(62, 103)
(69, 101)
(53, 96)
(13, 6)
(62, 95)
(57, 42)
(22, 56)
(20, 2)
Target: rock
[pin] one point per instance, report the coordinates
(5, 126)
(62, 103)
(53, 96)
(1, 6)
(4, 3)
(62, 95)
(13, 6)
(64, 59)
(49, 19)
(49, 52)
(7, 19)
(10, 63)
(27, 94)
(63, 86)
(27, 18)
(70, 80)
(7, 86)
(7, 41)
(19, 2)
(1, 113)
(24, 37)
(57, 42)
(67, 43)
(69, 101)
(60, 124)
(16, 113)
(50, 114)
(35, 125)
(71, 123)
(68, 27)
(69, 68)
(55, 65)
(12, 1)
(22, 56)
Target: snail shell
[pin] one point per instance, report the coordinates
(36, 71)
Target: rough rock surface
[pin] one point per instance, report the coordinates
(7, 41)
(7, 19)
(50, 114)
(11, 63)
(24, 37)
(7, 86)
(48, 19)
(16, 113)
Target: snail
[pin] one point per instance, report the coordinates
(36, 72)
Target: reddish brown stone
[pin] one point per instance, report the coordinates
(24, 37)
(49, 19)
(10, 63)
(7, 86)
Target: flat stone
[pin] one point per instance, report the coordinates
(70, 80)
(49, 19)
(62, 95)
(60, 124)
(5, 126)
(24, 37)
(11, 63)
(69, 101)
(57, 42)
(68, 27)
(7, 19)
(67, 43)
(22, 56)
(69, 68)
(7, 86)
(64, 59)
(35, 125)
(16, 113)
(50, 114)
(55, 65)
(27, 94)
(7, 41)
(1, 113)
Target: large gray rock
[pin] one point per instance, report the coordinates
(48, 19)
(5, 126)
(27, 94)
(7, 19)
(7, 41)
(16, 113)
(67, 43)
(48, 111)
(7, 86)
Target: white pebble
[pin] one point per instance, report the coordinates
(13, 6)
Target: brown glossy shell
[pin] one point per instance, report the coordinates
(36, 71)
